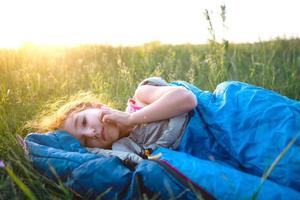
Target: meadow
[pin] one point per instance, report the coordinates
(32, 76)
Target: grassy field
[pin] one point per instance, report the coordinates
(31, 76)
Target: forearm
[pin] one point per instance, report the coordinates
(169, 105)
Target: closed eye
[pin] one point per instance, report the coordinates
(84, 122)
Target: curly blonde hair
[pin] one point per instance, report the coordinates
(54, 114)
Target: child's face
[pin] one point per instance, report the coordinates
(89, 130)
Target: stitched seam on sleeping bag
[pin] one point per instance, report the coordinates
(259, 171)
(57, 158)
(193, 187)
(58, 141)
(175, 181)
(187, 190)
(182, 83)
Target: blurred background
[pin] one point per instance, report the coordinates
(135, 22)
(52, 49)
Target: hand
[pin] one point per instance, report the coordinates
(119, 118)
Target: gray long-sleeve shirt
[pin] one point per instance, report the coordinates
(165, 133)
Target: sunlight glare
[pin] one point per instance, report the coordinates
(134, 22)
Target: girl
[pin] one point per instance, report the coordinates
(155, 116)
(239, 125)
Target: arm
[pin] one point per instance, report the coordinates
(162, 102)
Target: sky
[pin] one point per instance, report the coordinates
(135, 22)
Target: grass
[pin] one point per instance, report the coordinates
(31, 76)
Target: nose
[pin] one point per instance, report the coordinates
(95, 133)
(91, 132)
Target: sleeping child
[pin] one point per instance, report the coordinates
(154, 117)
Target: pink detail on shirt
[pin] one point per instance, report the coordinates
(132, 106)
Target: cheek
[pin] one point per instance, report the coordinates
(71, 131)
(67, 125)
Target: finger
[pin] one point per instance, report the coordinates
(108, 119)
(102, 113)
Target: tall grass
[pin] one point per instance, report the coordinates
(31, 76)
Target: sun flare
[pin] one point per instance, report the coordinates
(134, 22)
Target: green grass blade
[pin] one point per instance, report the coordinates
(273, 165)
(20, 184)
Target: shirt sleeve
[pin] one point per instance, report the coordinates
(132, 104)
(155, 81)
(123, 155)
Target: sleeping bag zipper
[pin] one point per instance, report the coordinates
(186, 182)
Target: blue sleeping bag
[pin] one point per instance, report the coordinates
(233, 136)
